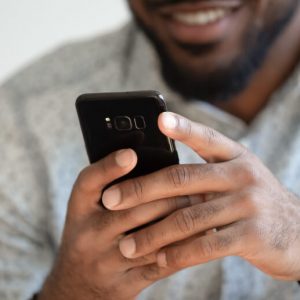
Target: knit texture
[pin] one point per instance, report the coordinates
(42, 152)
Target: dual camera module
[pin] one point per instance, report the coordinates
(125, 123)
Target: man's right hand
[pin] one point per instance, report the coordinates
(89, 264)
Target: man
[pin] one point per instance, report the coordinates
(227, 65)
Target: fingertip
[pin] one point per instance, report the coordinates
(126, 158)
(111, 198)
(162, 259)
(127, 247)
(168, 121)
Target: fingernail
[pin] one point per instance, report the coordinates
(127, 247)
(169, 121)
(111, 198)
(124, 158)
(162, 259)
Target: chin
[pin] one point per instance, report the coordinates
(213, 69)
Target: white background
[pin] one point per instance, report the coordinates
(28, 28)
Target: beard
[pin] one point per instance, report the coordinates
(222, 83)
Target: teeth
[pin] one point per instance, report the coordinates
(201, 17)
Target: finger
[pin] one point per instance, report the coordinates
(172, 181)
(183, 224)
(116, 261)
(127, 264)
(227, 242)
(142, 277)
(208, 143)
(119, 222)
(88, 187)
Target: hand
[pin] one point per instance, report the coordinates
(239, 208)
(89, 264)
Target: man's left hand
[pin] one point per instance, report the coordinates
(238, 207)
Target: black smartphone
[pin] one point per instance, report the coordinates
(114, 121)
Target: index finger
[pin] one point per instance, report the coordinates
(205, 141)
(177, 180)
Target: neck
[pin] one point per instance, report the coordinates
(278, 66)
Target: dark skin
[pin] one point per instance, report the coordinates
(252, 100)
(232, 205)
(256, 217)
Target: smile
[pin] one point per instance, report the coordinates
(201, 17)
(203, 22)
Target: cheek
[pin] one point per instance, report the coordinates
(268, 12)
(255, 17)
(223, 53)
(141, 11)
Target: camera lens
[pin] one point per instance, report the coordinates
(139, 122)
(123, 123)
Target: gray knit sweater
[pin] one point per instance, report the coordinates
(42, 152)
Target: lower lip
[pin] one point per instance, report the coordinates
(201, 34)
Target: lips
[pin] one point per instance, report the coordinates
(168, 7)
(200, 17)
(199, 21)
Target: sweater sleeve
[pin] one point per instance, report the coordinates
(26, 254)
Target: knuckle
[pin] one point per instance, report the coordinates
(244, 152)
(179, 202)
(251, 228)
(172, 204)
(211, 136)
(148, 239)
(187, 220)
(206, 170)
(208, 211)
(137, 188)
(150, 274)
(250, 201)
(177, 259)
(249, 173)
(206, 248)
(81, 182)
(178, 176)
(184, 221)
(222, 242)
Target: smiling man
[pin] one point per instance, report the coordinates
(231, 210)
(210, 50)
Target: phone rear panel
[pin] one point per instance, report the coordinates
(113, 121)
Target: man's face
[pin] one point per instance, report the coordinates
(209, 49)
